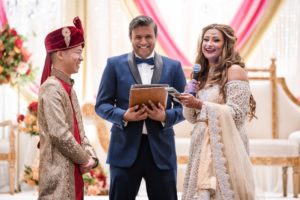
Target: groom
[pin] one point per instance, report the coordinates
(142, 138)
(65, 152)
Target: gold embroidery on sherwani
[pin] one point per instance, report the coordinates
(58, 147)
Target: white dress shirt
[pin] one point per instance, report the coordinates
(146, 73)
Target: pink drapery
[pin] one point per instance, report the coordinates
(3, 18)
(244, 23)
(246, 19)
(167, 43)
(240, 14)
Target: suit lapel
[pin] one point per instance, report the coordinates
(133, 68)
(158, 66)
(158, 63)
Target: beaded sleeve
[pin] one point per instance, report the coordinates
(237, 98)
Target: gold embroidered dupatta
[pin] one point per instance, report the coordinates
(231, 161)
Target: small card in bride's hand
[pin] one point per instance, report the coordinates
(174, 93)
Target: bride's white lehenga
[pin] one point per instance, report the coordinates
(218, 158)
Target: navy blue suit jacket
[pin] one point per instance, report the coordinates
(112, 102)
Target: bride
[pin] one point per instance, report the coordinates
(219, 166)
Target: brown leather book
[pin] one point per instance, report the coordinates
(142, 93)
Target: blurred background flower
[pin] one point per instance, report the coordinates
(14, 58)
(95, 182)
(31, 175)
(28, 123)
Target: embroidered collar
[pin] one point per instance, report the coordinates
(62, 76)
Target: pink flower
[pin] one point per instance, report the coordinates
(19, 43)
(102, 177)
(28, 72)
(20, 118)
(13, 32)
(33, 107)
(25, 55)
(92, 172)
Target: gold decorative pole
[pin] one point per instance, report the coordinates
(79, 8)
(18, 142)
(84, 70)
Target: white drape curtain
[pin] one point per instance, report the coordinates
(282, 40)
(109, 20)
(33, 19)
(108, 28)
(107, 36)
(107, 33)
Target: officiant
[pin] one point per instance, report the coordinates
(142, 141)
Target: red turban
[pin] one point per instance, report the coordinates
(62, 39)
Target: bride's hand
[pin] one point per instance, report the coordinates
(189, 101)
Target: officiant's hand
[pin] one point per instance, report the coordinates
(135, 113)
(86, 167)
(156, 112)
